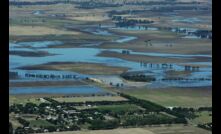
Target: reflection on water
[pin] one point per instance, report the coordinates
(56, 90)
(36, 44)
(136, 28)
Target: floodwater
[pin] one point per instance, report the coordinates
(36, 44)
(90, 55)
(136, 28)
(187, 20)
(56, 90)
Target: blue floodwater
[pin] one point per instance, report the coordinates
(56, 90)
(90, 55)
(36, 44)
(136, 28)
(187, 20)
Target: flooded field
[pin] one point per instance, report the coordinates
(56, 90)
(90, 55)
(88, 65)
(121, 31)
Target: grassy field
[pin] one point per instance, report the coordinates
(184, 97)
(204, 117)
(24, 99)
(178, 129)
(39, 123)
(94, 98)
(173, 129)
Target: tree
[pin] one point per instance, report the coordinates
(10, 128)
(20, 130)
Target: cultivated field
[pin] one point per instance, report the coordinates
(173, 97)
(100, 41)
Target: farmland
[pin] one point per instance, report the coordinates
(110, 66)
(175, 97)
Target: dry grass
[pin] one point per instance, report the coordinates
(95, 18)
(152, 59)
(84, 68)
(38, 30)
(95, 98)
(23, 100)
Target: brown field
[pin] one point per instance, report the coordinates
(83, 99)
(38, 30)
(84, 68)
(159, 40)
(152, 59)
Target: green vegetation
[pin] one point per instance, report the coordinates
(173, 97)
(84, 24)
(40, 123)
(119, 108)
(99, 124)
(202, 117)
(106, 115)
